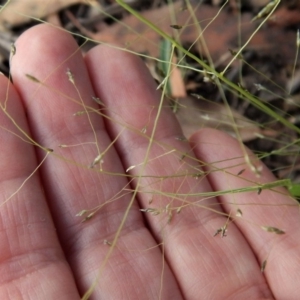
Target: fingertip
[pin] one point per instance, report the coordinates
(112, 65)
(209, 142)
(50, 56)
(210, 133)
(40, 48)
(39, 36)
(229, 162)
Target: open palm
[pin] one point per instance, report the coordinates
(48, 253)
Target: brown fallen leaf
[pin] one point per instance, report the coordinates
(220, 35)
(176, 81)
(20, 12)
(285, 17)
(194, 114)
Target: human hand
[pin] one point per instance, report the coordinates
(48, 253)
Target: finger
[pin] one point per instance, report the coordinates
(167, 176)
(74, 181)
(30, 254)
(270, 208)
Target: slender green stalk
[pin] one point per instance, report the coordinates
(258, 188)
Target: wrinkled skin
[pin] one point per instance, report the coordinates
(48, 253)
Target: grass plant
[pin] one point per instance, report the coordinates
(139, 181)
